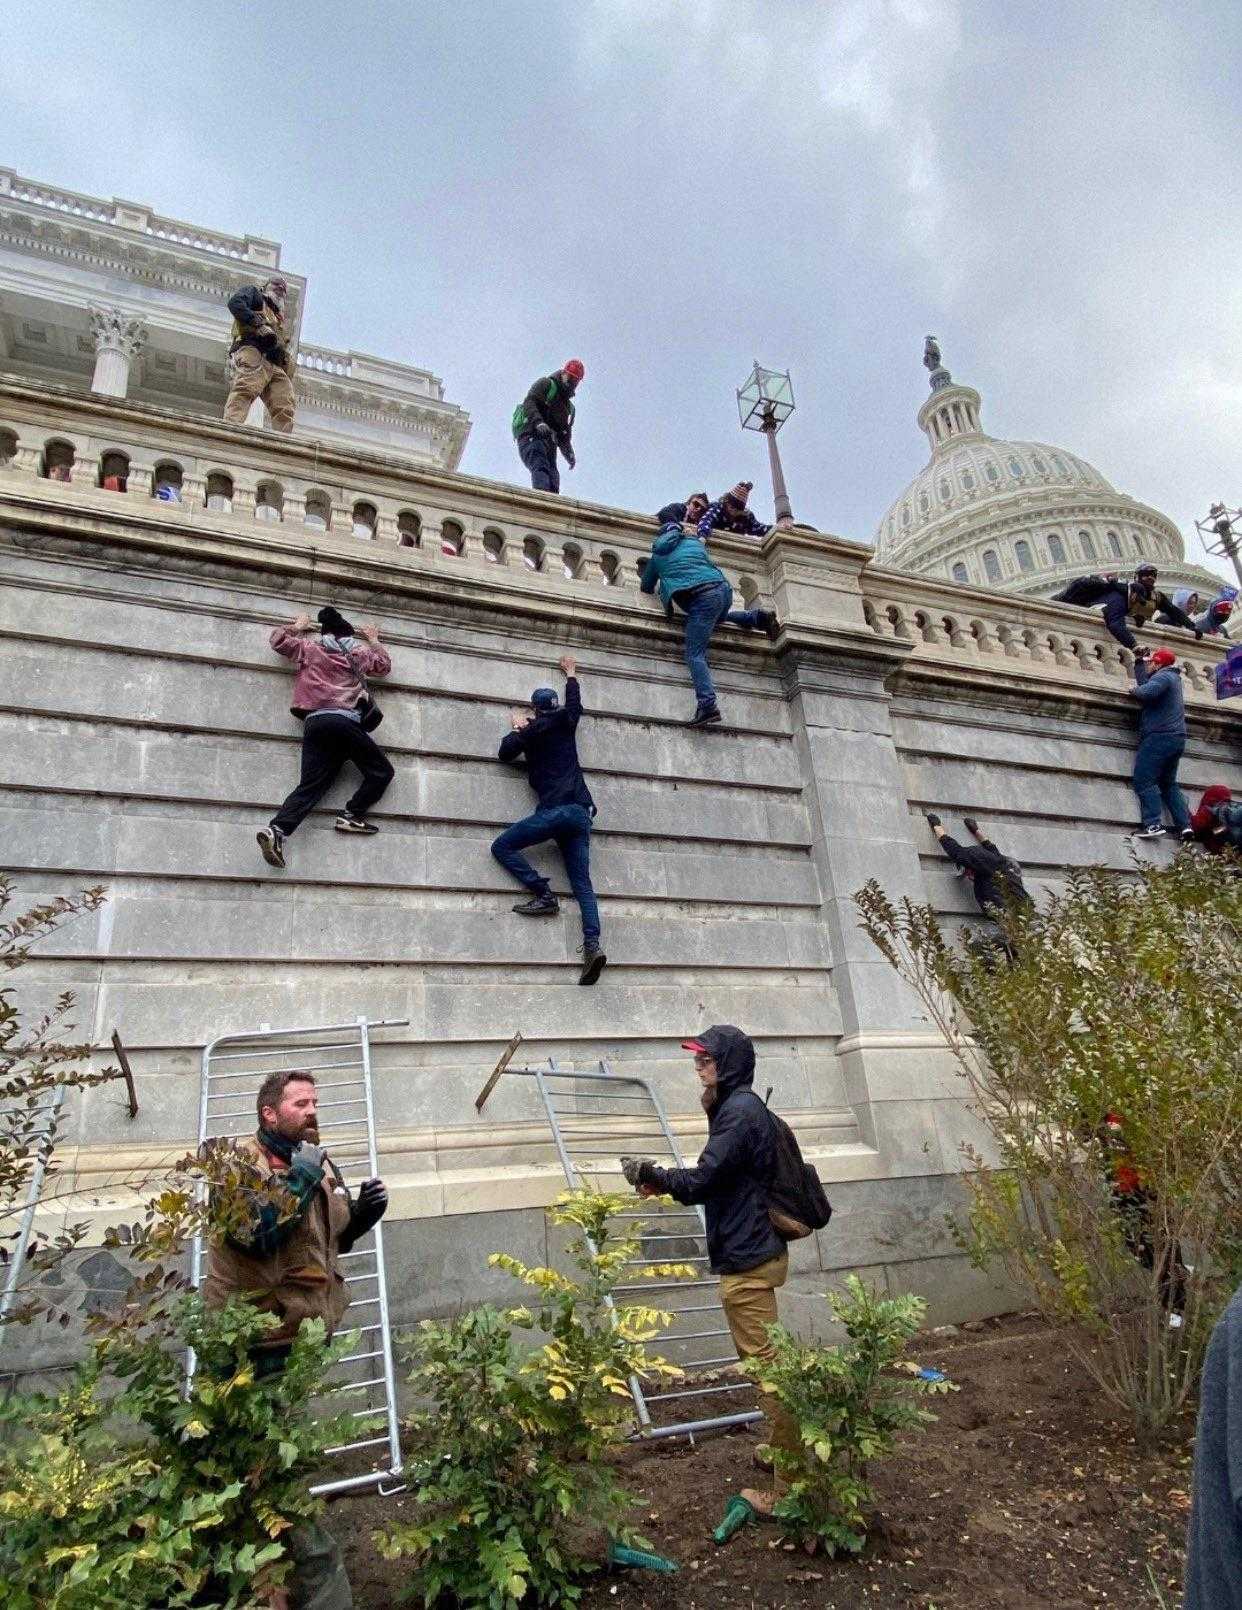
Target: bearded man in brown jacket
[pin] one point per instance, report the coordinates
(286, 1261)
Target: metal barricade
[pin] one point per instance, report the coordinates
(233, 1068)
(31, 1126)
(593, 1118)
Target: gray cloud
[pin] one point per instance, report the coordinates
(671, 189)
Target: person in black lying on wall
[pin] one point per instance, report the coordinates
(1139, 599)
(996, 879)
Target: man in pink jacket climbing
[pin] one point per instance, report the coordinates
(330, 697)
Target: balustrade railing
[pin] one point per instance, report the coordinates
(230, 479)
(967, 627)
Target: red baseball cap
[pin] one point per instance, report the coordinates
(1163, 656)
(575, 367)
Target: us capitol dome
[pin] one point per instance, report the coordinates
(1020, 517)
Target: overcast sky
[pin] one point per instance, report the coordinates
(669, 189)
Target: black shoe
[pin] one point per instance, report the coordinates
(707, 715)
(1154, 832)
(272, 843)
(541, 905)
(345, 823)
(768, 623)
(1187, 835)
(593, 960)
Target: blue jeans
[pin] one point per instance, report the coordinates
(1155, 779)
(538, 453)
(570, 826)
(704, 612)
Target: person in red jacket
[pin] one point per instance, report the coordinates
(329, 697)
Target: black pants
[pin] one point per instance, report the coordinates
(538, 453)
(327, 743)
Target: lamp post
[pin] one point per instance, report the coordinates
(1222, 534)
(765, 402)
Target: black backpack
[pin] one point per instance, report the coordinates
(796, 1201)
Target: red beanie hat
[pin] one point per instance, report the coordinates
(1162, 657)
(575, 367)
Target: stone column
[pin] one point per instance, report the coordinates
(836, 672)
(118, 341)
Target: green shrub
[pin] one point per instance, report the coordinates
(1106, 1052)
(146, 1497)
(510, 1479)
(850, 1403)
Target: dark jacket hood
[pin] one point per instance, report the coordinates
(735, 1056)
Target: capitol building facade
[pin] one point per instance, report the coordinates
(1023, 517)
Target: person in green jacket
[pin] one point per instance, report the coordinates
(689, 581)
(544, 421)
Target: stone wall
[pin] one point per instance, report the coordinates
(145, 735)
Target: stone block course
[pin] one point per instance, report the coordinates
(145, 734)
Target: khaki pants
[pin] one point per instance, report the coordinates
(254, 376)
(749, 1301)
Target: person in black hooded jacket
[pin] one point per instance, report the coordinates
(731, 1181)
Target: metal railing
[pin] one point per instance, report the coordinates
(233, 1068)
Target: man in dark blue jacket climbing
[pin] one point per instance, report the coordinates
(731, 1180)
(688, 579)
(1162, 742)
(544, 738)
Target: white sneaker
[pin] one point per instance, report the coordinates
(1147, 833)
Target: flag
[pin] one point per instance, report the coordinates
(1229, 674)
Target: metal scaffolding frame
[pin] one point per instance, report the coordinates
(233, 1067)
(599, 1115)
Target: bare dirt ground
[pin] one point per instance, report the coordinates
(1027, 1493)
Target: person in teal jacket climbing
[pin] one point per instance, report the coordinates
(689, 581)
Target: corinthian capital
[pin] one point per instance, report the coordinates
(115, 331)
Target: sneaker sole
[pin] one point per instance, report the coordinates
(366, 831)
(705, 721)
(271, 854)
(550, 911)
(590, 974)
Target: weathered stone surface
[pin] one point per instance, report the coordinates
(145, 735)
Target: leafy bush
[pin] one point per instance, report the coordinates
(1104, 1060)
(850, 1404)
(34, 1060)
(149, 1497)
(510, 1476)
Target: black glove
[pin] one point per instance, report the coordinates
(971, 825)
(1198, 635)
(370, 1207)
(543, 430)
(570, 457)
(307, 1159)
(932, 819)
(637, 1170)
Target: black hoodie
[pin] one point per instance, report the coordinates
(732, 1176)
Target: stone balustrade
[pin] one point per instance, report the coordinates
(139, 217)
(226, 477)
(1004, 636)
(211, 476)
(324, 361)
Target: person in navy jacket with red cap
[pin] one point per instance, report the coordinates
(1162, 742)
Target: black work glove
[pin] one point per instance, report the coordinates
(970, 825)
(932, 819)
(543, 430)
(637, 1170)
(307, 1160)
(1198, 635)
(370, 1207)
